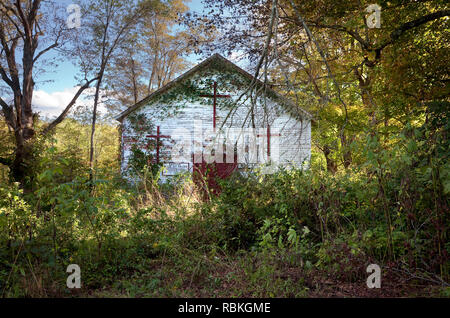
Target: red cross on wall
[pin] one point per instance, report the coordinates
(268, 140)
(215, 96)
(158, 136)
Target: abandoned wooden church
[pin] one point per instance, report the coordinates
(215, 114)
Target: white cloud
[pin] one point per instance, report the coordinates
(52, 104)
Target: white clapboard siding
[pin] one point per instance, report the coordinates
(293, 145)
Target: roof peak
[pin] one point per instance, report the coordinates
(193, 70)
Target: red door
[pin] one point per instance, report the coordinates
(207, 174)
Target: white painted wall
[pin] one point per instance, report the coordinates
(293, 146)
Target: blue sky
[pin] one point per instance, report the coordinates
(57, 85)
(61, 78)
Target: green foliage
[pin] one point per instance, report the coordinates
(377, 190)
(263, 236)
(289, 220)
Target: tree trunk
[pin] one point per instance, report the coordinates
(21, 41)
(94, 121)
(331, 164)
(347, 154)
(366, 97)
(21, 167)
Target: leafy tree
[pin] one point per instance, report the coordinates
(351, 77)
(107, 25)
(28, 31)
(154, 55)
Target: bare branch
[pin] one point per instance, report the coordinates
(5, 77)
(311, 37)
(365, 45)
(6, 11)
(45, 51)
(395, 35)
(63, 115)
(8, 113)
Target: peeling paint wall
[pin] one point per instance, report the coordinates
(181, 120)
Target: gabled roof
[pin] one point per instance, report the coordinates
(212, 59)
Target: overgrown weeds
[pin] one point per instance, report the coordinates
(289, 234)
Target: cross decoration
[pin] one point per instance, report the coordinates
(215, 96)
(268, 140)
(158, 136)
